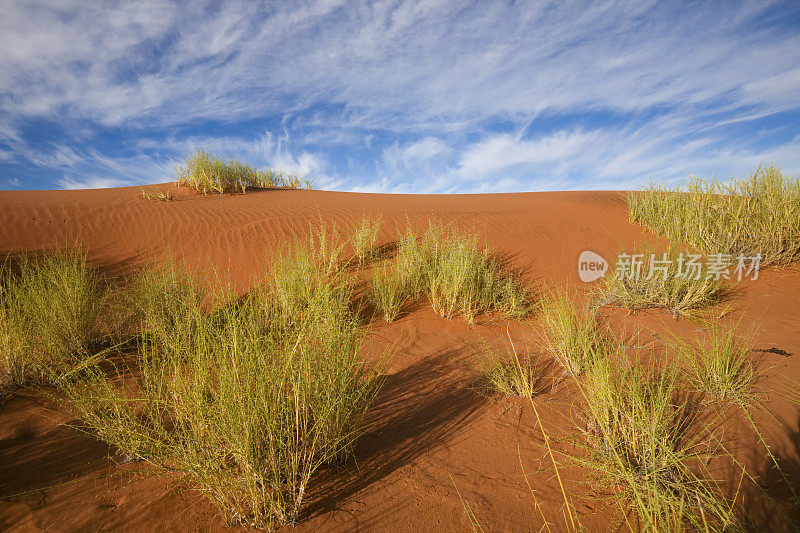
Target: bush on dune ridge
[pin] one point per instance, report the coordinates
(757, 215)
(208, 174)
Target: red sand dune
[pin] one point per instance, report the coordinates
(432, 432)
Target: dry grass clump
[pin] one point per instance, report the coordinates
(365, 239)
(662, 280)
(757, 215)
(413, 259)
(154, 193)
(246, 402)
(720, 363)
(310, 275)
(390, 292)
(325, 246)
(643, 438)
(49, 311)
(211, 174)
(576, 338)
(511, 373)
(456, 275)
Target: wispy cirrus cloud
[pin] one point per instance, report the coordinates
(427, 96)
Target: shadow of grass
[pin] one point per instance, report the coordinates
(38, 458)
(420, 408)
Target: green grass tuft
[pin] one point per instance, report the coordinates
(311, 277)
(49, 311)
(209, 174)
(365, 239)
(411, 260)
(457, 275)
(390, 292)
(513, 374)
(576, 339)
(720, 363)
(247, 402)
(154, 193)
(664, 281)
(757, 215)
(643, 438)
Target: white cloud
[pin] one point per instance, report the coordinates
(424, 149)
(92, 183)
(414, 154)
(337, 78)
(503, 151)
(420, 59)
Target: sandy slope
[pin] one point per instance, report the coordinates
(432, 431)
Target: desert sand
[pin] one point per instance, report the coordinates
(432, 434)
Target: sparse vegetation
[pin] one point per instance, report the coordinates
(390, 292)
(456, 275)
(412, 260)
(576, 339)
(310, 278)
(365, 239)
(513, 374)
(757, 215)
(209, 174)
(49, 309)
(721, 367)
(154, 193)
(720, 363)
(662, 280)
(247, 401)
(643, 437)
(453, 272)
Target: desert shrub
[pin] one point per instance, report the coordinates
(576, 338)
(154, 193)
(662, 280)
(512, 373)
(644, 437)
(412, 261)
(390, 292)
(246, 402)
(49, 316)
(365, 239)
(512, 298)
(305, 274)
(457, 275)
(208, 173)
(325, 246)
(757, 215)
(720, 363)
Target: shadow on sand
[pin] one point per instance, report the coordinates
(421, 407)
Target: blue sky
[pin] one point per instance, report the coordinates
(431, 96)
